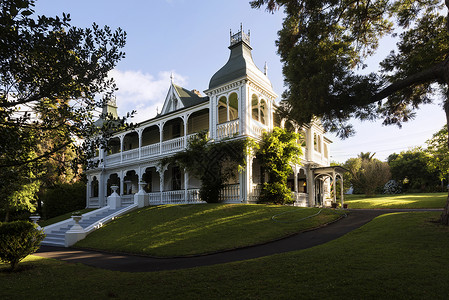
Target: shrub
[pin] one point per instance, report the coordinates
(392, 187)
(63, 198)
(18, 239)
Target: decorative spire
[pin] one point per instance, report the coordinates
(265, 69)
(172, 77)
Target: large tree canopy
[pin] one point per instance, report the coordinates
(52, 77)
(323, 43)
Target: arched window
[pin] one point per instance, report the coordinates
(130, 141)
(276, 120)
(94, 187)
(150, 135)
(302, 138)
(233, 107)
(315, 142)
(319, 143)
(255, 107)
(113, 146)
(222, 110)
(263, 112)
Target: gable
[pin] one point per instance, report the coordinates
(172, 101)
(178, 98)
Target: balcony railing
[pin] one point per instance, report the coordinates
(227, 129)
(258, 128)
(150, 150)
(131, 154)
(173, 145)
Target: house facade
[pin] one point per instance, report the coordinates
(240, 102)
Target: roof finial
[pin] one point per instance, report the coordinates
(172, 77)
(241, 27)
(265, 69)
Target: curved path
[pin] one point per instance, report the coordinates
(134, 263)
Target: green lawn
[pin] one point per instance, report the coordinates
(63, 217)
(424, 200)
(173, 230)
(396, 256)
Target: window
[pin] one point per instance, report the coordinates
(222, 110)
(233, 107)
(255, 107)
(263, 115)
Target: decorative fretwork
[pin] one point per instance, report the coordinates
(239, 37)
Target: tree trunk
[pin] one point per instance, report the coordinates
(445, 214)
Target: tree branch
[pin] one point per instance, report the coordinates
(46, 154)
(431, 74)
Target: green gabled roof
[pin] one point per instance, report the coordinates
(189, 98)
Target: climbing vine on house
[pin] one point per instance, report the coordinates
(213, 163)
(278, 151)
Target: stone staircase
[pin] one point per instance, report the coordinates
(55, 234)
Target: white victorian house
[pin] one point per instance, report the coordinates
(238, 103)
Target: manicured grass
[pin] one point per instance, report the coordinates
(425, 200)
(396, 256)
(174, 230)
(63, 217)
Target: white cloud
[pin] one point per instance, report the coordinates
(143, 92)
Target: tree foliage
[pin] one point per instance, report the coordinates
(279, 149)
(411, 169)
(438, 151)
(52, 78)
(324, 43)
(214, 163)
(367, 175)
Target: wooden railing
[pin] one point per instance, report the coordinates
(227, 129)
(173, 145)
(230, 193)
(150, 150)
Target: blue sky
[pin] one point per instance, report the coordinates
(189, 38)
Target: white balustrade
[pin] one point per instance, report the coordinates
(154, 198)
(255, 194)
(127, 200)
(193, 196)
(113, 158)
(150, 150)
(227, 129)
(173, 145)
(258, 128)
(230, 193)
(173, 197)
(130, 154)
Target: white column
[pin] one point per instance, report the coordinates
(121, 148)
(186, 184)
(212, 121)
(102, 189)
(334, 178)
(310, 187)
(161, 135)
(185, 118)
(122, 184)
(296, 180)
(139, 133)
(88, 190)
